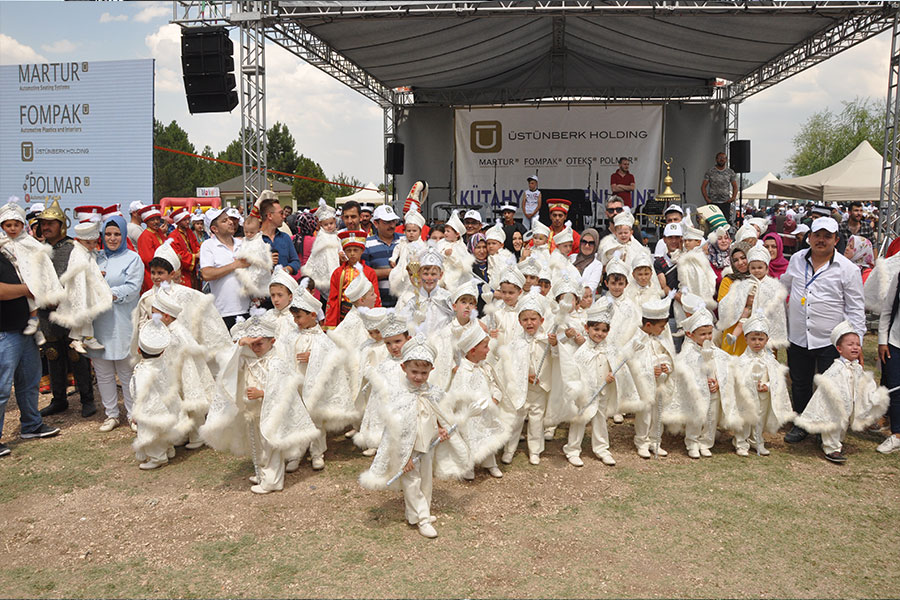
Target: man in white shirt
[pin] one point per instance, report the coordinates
(136, 226)
(889, 353)
(217, 266)
(825, 288)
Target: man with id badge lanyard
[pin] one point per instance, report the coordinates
(824, 289)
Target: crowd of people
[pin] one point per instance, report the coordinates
(258, 334)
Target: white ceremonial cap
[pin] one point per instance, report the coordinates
(305, 301)
(531, 301)
(673, 230)
(564, 237)
(495, 232)
(12, 211)
(616, 266)
(455, 223)
(756, 324)
(530, 266)
(164, 301)
(431, 258)
(600, 311)
(642, 259)
(260, 324)
(758, 253)
(392, 325)
(658, 308)
(358, 288)
(514, 276)
(624, 218)
(760, 223)
(747, 232)
(154, 337)
(472, 335)
(167, 253)
(691, 302)
(840, 330)
(279, 275)
(418, 348)
(692, 233)
(699, 319)
(414, 217)
(469, 288)
(566, 285)
(324, 212)
(538, 228)
(88, 230)
(372, 317)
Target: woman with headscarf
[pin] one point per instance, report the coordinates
(124, 272)
(477, 246)
(587, 249)
(720, 253)
(306, 232)
(778, 263)
(734, 343)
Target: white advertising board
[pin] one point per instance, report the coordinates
(568, 147)
(77, 132)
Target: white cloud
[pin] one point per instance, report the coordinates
(60, 47)
(165, 46)
(153, 11)
(12, 52)
(108, 18)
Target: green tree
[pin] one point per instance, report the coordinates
(336, 191)
(174, 175)
(306, 192)
(281, 154)
(825, 138)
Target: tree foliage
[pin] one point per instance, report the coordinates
(826, 138)
(306, 192)
(336, 191)
(175, 175)
(281, 154)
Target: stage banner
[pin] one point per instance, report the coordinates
(565, 146)
(77, 132)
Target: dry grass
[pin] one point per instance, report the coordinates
(80, 520)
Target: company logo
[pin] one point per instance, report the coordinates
(486, 136)
(27, 151)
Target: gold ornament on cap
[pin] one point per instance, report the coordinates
(668, 197)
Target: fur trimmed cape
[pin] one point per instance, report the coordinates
(696, 275)
(329, 381)
(372, 426)
(157, 412)
(875, 289)
(35, 267)
(457, 264)
(773, 407)
(87, 293)
(769, 299)
(324, 258)
(846, 396)
(255, 278)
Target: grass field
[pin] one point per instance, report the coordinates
(79, 519)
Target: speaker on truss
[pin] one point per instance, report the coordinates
(393, 159)
(739, 153)
(207, 65)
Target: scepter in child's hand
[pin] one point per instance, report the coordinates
(636, 345)
(418, 457)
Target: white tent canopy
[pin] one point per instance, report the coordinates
(855, 177)
(370, 196)
(760, 189)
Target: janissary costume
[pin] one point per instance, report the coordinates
(186, 246)
(338, 303)
(149, 241)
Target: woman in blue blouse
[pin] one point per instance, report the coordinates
(124, 272)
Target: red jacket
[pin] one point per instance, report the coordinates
(147, 245)
(336, 292)
(187, 248)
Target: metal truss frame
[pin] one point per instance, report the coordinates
(253, 96)
(889, 224)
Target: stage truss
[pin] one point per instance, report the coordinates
(285, 23)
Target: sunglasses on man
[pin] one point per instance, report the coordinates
(616, 210)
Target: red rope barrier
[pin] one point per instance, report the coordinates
(237, 164)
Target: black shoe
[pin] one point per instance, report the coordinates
(836, 457)
(54, 408)
(44, 431)
(88, 409)
(796, 434)
(4, 450)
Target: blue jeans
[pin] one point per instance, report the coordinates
(890, 378)
(20, 365)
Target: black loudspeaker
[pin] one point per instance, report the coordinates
(207, 65)
(739, 151)
(393, 159)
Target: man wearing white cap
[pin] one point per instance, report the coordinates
(473, 223)
(136, 225)
(672, 214)
(825, 289)
(218, 265)
(380, 247)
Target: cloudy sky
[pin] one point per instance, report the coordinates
(341, 129)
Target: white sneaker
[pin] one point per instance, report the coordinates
(170, 452)
(607, 459)
(133, 426)
(32, 326)
(693, 453)
(890, 444)
(506, 458)
(549, 433)
(109, 424)
(253, 479)
(469, 475)
(370, 452)
(91, 343)
(152, 464)
(258, 489)
(39, 338)
(318, 463)
(742, 452)
(350, 434)
(427, 530)
(292, 465)
(762, 450)
(705, 452)
(618, 419)
(194, 445)
(77, 347)
(575, 461)
(495, 472)
(643, 452)
(661, 452)
(534, 459)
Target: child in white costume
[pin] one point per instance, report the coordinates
(475, 393)
(427, 305)
(87, 293)
(32, 261)
(644, 285)
(540, 243)
(565, 336)
(352, 330)
(406, 251)
(328, 386)
(254, 278)
(282, 289)
(622, 244)
(758, 294)
(762, 384)
(499, 258)
(185, 362)
(695, 273)
(463, 301)
(501, 316)
(704, 394)
(531, 347)
(651, 368)
(595, 366)
(325, 255)
(257, 410)
(394, 334)
(161, 422)
(846, 396)
(196, 308)
(413, 421)
(457, 259)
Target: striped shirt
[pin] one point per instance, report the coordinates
(377, 255)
